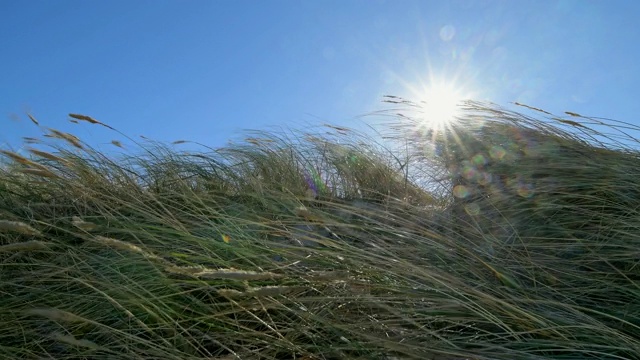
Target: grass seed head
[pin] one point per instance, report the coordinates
(84, 118)
(117, 143)
(48, 156)
(32, 245)
(18, 158)
(89, 119)
(33, 119)
(39, 172)
(18, 227)
(81, 224)
(56, 315)
(118, 244)
(69, 138)
(71, 340)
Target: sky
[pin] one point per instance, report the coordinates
(205, 70)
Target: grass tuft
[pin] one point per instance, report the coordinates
(506, 235)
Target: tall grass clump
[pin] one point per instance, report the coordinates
(505, 236)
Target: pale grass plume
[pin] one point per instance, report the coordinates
(18, 227)
(118, 244)
(263, 291)
(329, 275)
(84, 118)
(230, 293)
(39, 172)
(231, 274)
(571, 122)
(24, 246)
(234, 274)
(69, 138)
(253, 141)
(258, 141)
(48, 156)
(532, 108)
(184, 270)
(71, 340)
(81, 224)
(89, 119)
(21, 159)
(56, 315)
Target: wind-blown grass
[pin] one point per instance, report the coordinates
(507, 237)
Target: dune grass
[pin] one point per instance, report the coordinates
(508, 236)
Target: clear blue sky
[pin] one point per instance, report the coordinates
(204, 70)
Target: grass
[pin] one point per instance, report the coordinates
(509, 236)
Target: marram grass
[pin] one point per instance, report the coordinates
(505, 236)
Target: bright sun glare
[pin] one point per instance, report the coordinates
(440, 101)
(440, 105)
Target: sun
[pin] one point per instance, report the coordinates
(440, 100)
(439, 105)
